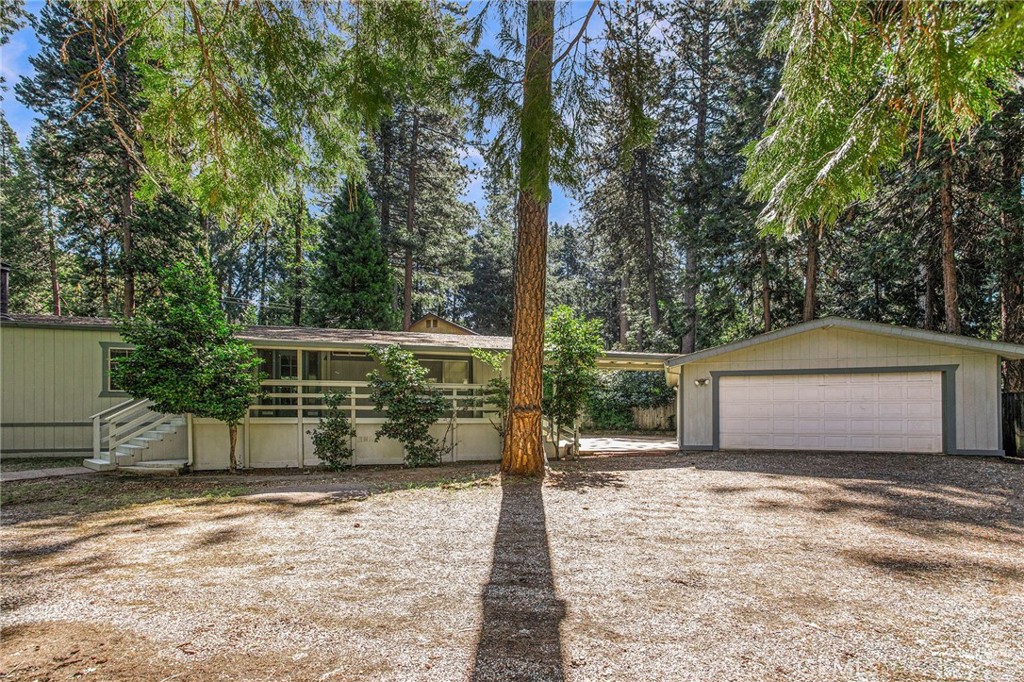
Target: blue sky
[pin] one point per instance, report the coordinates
(23, 44)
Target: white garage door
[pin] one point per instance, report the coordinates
(886, 412)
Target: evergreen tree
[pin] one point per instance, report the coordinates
(21, 228)
(86, 151)
(353, 284)
(186, 357)
(417, 178)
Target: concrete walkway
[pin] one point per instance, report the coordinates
(627, 444)
(7, 476)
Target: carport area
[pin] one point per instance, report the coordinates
(624, 445)
(596, 442)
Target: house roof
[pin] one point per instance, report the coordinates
(435, 316)
(314, 337)
(1010, 351)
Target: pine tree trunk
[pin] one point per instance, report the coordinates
(127, 245)
(766, 289)
(298, 274)
(623, 314)
(54, 282)
(410, 222)
(811, 275)
(690, 301)
(1012, 221)
(104, 276)
(524, 448)
(700, 131)
(949, 284)
(233, 437)
(385, 171)
(51, 246)
(261, 318)
(928, 299)
(652, 272)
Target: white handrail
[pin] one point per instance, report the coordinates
(125, 404)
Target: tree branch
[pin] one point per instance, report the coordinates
(579, 35)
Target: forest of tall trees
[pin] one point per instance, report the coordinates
(666, 247)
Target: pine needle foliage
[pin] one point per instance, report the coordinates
(861, 85)
(353, 285)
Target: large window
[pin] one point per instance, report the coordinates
(447, 371)
(337, 365)
(356, 366)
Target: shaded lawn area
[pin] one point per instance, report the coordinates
(712, 566)
(33, 464)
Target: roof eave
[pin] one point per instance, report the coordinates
(1009, 351)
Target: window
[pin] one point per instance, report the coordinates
(280, 364)
(447, 371)
(112, 356)
(337, 365)
(431, 323)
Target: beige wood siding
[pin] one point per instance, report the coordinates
(51, 380)
(977, 377)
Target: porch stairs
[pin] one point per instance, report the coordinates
(133, 438)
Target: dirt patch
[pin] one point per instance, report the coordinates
(696, 567)
(33, 463)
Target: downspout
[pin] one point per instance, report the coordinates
(190, 446)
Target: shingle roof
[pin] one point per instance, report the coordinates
(313, 337)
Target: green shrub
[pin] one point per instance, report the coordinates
(610, 404)
(498, 389)
(573, 347)
(332, 439)
(411, 405)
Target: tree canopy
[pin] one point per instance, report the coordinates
(862, 82)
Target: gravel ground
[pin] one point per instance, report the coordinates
(694, 567)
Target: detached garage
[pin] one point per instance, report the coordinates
(843, 385)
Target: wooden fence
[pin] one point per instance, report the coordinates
(1013, 424)
(654, 418)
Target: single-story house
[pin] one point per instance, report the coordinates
(58, 396)
(830, 384)
(846, 385)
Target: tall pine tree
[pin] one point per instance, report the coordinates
(353, 285)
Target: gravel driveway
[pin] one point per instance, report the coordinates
(693, 567)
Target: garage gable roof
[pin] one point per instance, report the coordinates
(1011, 351)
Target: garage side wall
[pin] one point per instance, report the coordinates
(50, 384)
(977, 378)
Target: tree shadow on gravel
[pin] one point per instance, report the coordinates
(520, 637)
(923, 495)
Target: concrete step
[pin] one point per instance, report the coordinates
(98, 464)
(157, 463)
(165, 428)
(161, 467)
(123, 460)
(176, 421)
(129, 449)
